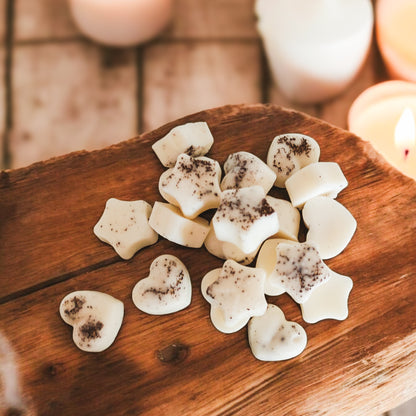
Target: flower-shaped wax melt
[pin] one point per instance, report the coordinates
(193, 184)
(236, 293)
(243, 169)
(169, 222)
(331, 225)
(299, 269)
(194, 139)
(290, 152)
(245, 218)
(167, 289)
(329, 300)
(95, 317)
(125, 226)
(272, 338)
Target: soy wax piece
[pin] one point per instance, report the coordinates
(316, 179)
(95, 317)
(331, 225)
(224, 250)
(194, 139)
(245, 218)
(328, 301)
(236, 293)
(168, 221)
(266, 260)
(290, 152)
(193, 184)
(299, 269)
(167, 289)
(125, 226)
(273, 338)
(289, 218)
(243, 169)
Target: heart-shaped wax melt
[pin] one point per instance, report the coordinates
(331, 225)
(167, 289)
(95, 316)
(272, 338)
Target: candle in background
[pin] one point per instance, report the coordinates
(121, 22)
(396, 37)
(385, 116)
(315, 47)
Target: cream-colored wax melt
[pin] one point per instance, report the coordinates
(193, 184)
(329, 300)
(299, 269)
(316, 179)
(225, 250)
(194, 139)
(124, 225)
(168, 222)
(236, 293)
(167, 289)
(266, 260)
(289, 218)
(95, 317)
(290, 152)
(331, 225)
(273, 338)
(245, 218)
(243, 169)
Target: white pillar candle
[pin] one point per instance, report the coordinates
(121, 22)
(396, 36)
(315, 48)
(384, 115)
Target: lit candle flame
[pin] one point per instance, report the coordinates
(405, 132)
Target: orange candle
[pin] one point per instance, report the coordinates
(396, 37)
(385, 116)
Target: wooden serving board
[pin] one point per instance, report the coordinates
(179, 364)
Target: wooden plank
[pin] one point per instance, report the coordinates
(70, 96)
(407, 409)
(3, 20)
(2, 103)
(43, 20)
(364, 365)
(182, 78)
(214, 19)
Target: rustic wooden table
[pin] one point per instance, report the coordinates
(59, 92)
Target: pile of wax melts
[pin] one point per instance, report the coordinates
(246, 223)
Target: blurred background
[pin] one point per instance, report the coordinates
(60, 91)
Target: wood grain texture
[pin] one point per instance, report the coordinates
(213, 19)
(184, 78)
(2, 102)
(43, 20)
(180, 364)
(90, 95)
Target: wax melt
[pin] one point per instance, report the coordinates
(243, 169)
(168, 221)
(193, 184)
(194, 139)
(95, 317)
(273, 338)
(245, 218)
(236, 293)
(290, 152)
(125, 226)
(167, 289)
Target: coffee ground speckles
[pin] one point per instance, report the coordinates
(73, 306)
(90, 330)
(297, 149)
(290, 146)
(300, 269)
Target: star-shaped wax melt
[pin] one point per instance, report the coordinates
(125, 226)
(245, 218)
(193, 184)
(299, 269)
(329, 300)
(236, 293)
